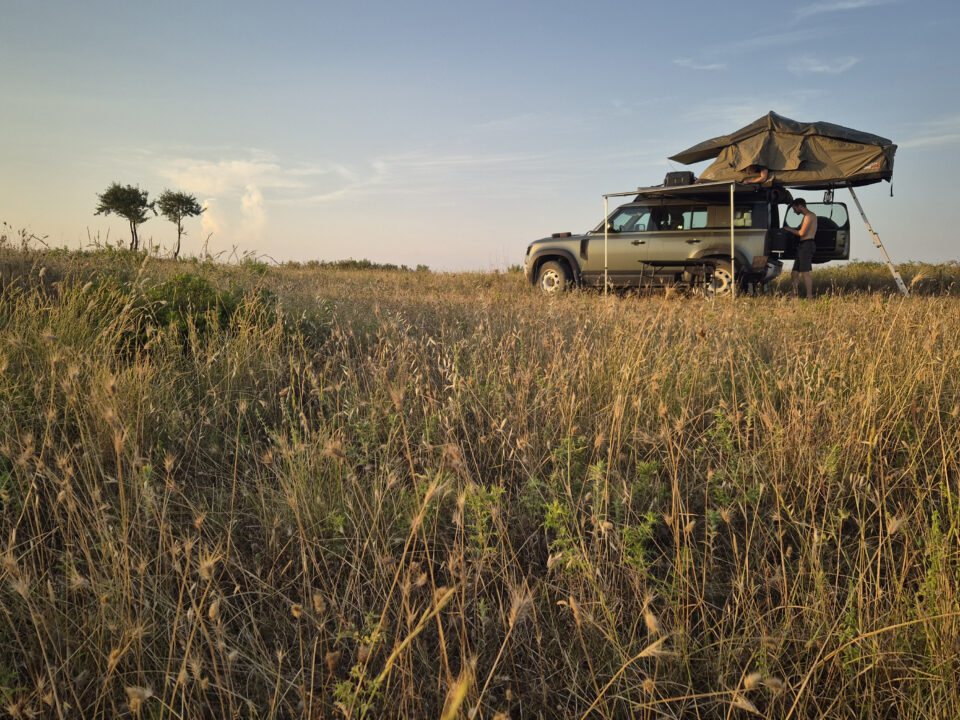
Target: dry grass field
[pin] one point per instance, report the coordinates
(309, 492)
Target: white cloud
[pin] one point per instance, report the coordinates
(254, 213)
(418, 173)
(932, 141)
(731, 114)
(226, 176)
(807, 65)
(935, 133)
(764, 40)
(237, 190)
(210, 221)
(691, 64)
(838, 5)
(512, 123)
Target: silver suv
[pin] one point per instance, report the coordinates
(680, 234)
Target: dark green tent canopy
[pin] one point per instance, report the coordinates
(813, 155)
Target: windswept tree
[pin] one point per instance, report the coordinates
(128, 202)
(175, 206)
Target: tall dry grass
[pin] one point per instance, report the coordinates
(388, 494)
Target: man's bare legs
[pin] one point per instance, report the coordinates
(807, 282)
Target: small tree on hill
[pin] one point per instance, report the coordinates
(128, 202)
(175, 206)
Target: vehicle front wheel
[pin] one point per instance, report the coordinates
(553, 278)
(721, 282)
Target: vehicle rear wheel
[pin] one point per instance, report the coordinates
(721, 282)
(553, 278)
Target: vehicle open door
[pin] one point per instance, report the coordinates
(833, 231)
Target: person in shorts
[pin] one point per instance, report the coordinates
(803, 265)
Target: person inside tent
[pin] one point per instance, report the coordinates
(761, 174)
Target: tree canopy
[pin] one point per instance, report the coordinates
(175, 206)
(128, 202)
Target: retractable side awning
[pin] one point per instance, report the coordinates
(706, 190)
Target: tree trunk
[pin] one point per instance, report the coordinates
(176, 253)
(133, 235)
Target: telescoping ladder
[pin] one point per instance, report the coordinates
(876, 241)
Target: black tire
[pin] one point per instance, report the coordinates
(553, 278)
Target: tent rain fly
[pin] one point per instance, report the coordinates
(817, 155)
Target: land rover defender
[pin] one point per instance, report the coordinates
(681, 235)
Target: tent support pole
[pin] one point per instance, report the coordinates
(876, 241)
(733, 259)
(605, 227)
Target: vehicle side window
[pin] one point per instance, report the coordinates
(835, 213)
(694, 219)
(683, 218)
(718, 217)
(635, 219)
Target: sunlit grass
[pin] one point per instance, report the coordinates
(308, 492)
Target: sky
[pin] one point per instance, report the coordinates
(448, 133)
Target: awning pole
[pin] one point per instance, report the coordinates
(733, 262)
(605, 225)
(876, 241)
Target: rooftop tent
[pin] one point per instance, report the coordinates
(817, 155)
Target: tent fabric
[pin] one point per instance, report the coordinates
(814, 155)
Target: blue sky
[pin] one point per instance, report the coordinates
(449, 133)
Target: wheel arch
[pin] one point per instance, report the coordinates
(546, 255)
(742, 264)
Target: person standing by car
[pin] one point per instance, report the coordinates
(806, 246)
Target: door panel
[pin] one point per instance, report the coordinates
(628, 237)
(833, 231)
(626, 255)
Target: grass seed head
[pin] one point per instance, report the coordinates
(136, 697)
(520, 605)
(113, 658)
(650, 620)
(333, 448)
(739, 701)
(207, 564)
(332, 659)
(774, 684)
(77, 581)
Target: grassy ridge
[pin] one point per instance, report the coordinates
(284, 492)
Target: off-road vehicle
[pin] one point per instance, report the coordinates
(681, 234)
